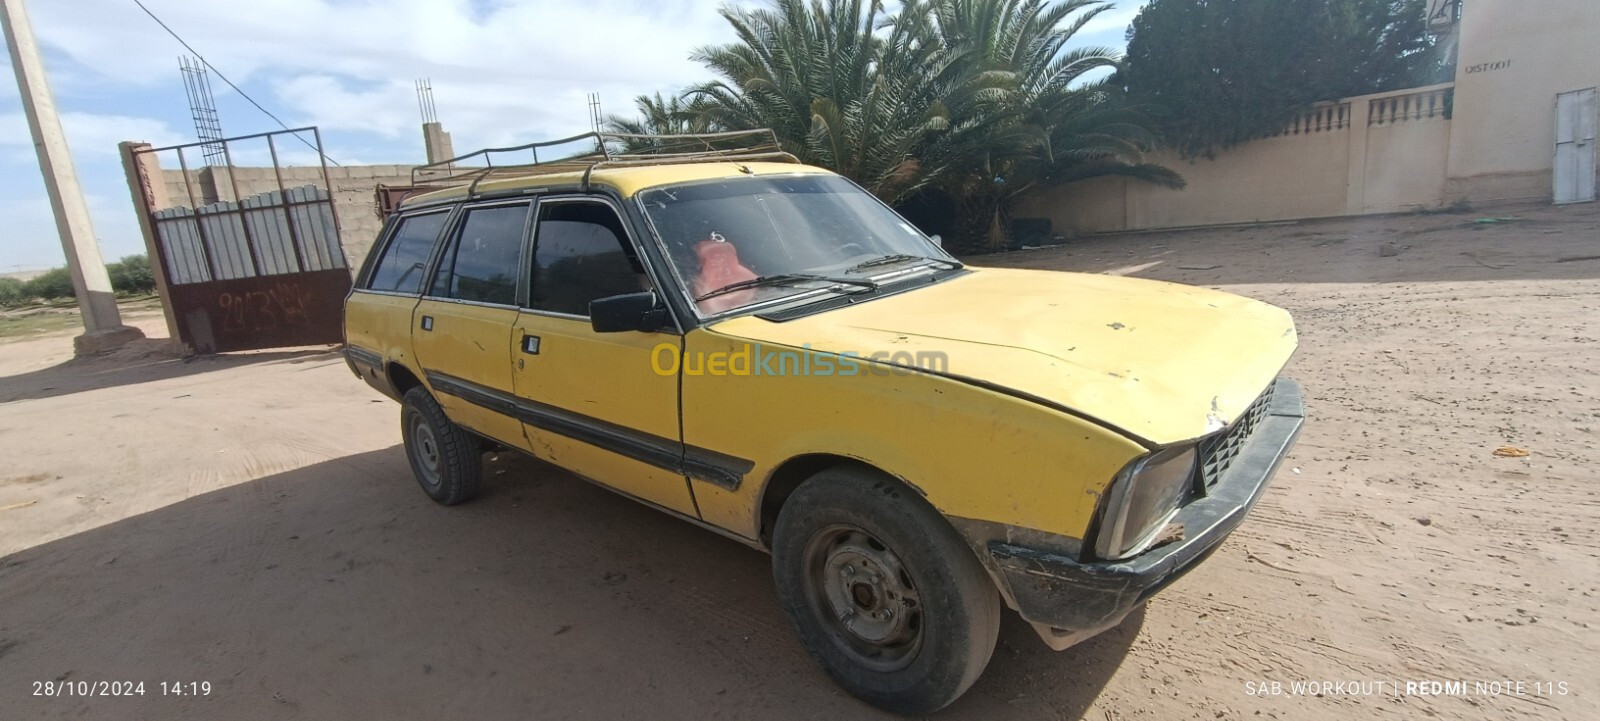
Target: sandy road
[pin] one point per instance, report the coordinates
(249, 521)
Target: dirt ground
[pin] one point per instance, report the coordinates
(249, 521)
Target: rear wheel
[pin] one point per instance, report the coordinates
(883, 592)
(446, 459)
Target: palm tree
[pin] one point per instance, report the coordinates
(658, 116)
(979, 100)
(836, 92)
(1049, 125)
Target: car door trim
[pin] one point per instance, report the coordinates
(702, 464)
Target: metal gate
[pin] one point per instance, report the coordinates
(251, 255)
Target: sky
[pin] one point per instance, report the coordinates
(503, 72)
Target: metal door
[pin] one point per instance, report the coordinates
(1576, 116)
(251, 257)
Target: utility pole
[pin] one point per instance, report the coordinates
(102, 323)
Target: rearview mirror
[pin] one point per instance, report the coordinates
(641, 312)
(937, 239)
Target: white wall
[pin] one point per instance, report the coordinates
(1515, 56)
(1372, 154)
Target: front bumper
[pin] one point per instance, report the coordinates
(1071, 599)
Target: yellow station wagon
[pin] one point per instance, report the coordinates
(764, 349)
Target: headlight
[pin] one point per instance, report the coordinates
(1143, 497)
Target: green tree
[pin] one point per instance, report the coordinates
(658, 116)
(1227, 71)
(50, 285)
(12, 291)
(836, 93)
(978, 100)
(132, 274)
(1030, 116)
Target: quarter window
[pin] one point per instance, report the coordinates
(481, 262)
(581, 253)
(405, 260)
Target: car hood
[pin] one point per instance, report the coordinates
(1162, 362)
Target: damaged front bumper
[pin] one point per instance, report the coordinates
(1069, 600)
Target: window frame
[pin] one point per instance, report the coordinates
(450, 241)
(630, 238)
(390, 234)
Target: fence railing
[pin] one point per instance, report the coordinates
(1428, 104)
(1436, 102)
(1320, 119)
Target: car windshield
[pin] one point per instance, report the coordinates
(743, 241)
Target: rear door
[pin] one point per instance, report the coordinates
(461, 329)
(595, 403)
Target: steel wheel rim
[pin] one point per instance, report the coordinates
(864, 594)
(425, 452)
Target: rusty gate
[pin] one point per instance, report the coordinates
(250, 255)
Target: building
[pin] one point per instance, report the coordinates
(1490, 136)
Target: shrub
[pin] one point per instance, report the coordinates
(11, 291)
(54, 283)
(132, 275)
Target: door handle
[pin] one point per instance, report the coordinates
(530, 344)
(427, 322)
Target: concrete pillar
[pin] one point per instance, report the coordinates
(1356, 186)
(101, 321)
(437, 143)
(149, 191)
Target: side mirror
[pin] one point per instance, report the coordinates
(642, 312)
(937, 239)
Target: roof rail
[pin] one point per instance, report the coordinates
(608, 150)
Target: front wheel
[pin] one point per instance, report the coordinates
(883, 592)
(445, 458)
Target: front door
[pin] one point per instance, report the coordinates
(1575, 146)
(461, 330)
(594, 403)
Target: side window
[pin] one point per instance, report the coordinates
(482, 260)
(581, 253)
(405, 260)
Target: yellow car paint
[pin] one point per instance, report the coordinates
(607, 377)
(973, 452)
(381, 322)
(472, 342)
(1054, 381)
(1164, 362)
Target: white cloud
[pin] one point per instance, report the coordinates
(89, 133)
(1115, 20)
(31, 230)
(508, 70)
(504, 72)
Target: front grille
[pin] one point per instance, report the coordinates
(1218, 451)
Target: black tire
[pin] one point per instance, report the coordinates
(919, 615)
(446, 460)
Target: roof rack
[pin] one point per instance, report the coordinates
(609, 150)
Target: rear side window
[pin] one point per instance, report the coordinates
(581, 253)
(405, 260)
(482, 261)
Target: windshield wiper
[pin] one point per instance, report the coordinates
(786, 279)
(900, 258)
